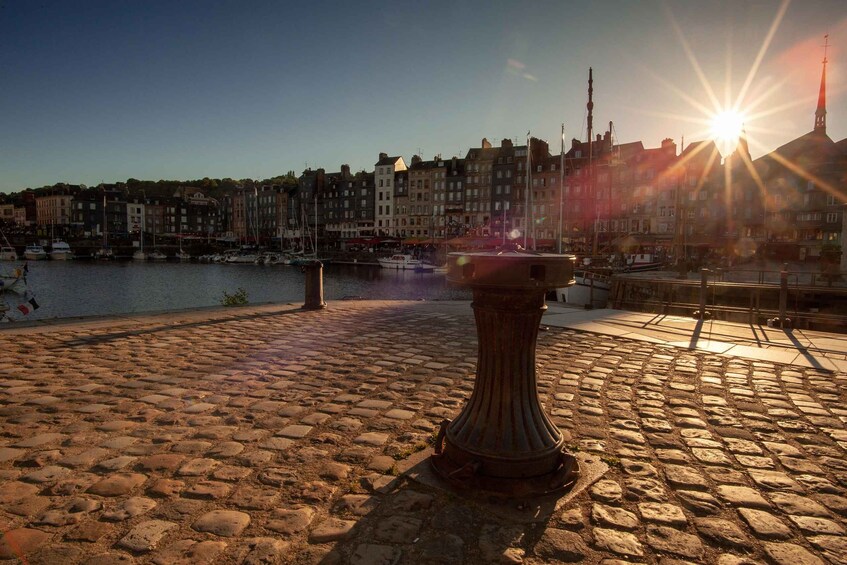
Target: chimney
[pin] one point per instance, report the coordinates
(486, 144)
(506, 142)
(383, 155)
(416, 159)
(345, 171)
(669, 147)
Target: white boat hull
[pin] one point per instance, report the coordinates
(401, 262)
(582, 294)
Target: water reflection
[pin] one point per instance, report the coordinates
(83, 288)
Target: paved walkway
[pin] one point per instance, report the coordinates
(268, 434)
(806, 348)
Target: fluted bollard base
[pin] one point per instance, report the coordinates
(314, 285)
(503, 441)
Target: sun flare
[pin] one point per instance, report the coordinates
(726, 129)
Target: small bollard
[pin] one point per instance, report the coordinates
(314, 271)
(701, 314)
(502, 442)
(783, 321)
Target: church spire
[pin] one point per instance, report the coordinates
(820, 112)
(742, 150)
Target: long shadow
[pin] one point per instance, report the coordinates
(756, 337)
(206, 322)
(695, 336)
(657, 319)
(112, 336)
(804, 351)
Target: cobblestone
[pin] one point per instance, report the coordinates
(259, 435)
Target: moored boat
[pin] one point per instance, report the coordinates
(589, 290)
(157, 256)
(242, 258)
(8, 254)
(60, 251)
(35, 252)
(642, 262)
(399, 261)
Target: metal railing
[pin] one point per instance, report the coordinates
(779, 298)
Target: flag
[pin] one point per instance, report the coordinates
(23, 308)
(33, 303)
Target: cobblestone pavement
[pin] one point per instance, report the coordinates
(269, 434)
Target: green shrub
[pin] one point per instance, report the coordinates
(237, 298)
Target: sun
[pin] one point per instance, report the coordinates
(726, 127)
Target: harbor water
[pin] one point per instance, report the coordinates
(65, 289)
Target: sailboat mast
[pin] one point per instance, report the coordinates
(315, 245)
(105, 225)
(561, 187)
(609, 196)
(590, 127)
(526, 196)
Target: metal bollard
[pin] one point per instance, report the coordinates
(314, 271)
(502, 441)
(704, 290)
(783, 297)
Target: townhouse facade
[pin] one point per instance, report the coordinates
(384, 174)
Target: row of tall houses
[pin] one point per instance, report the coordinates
(594, 195)
(110, 208)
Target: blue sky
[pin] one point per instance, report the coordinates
(93, 91)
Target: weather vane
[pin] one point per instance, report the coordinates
(825, 47)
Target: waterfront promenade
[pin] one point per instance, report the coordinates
(267, 434)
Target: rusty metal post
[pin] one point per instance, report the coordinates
(704, 290)
(314, 271)
(502, 441)
(783, 295)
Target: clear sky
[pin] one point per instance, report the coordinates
(96, 91)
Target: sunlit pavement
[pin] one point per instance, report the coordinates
(266, 433)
